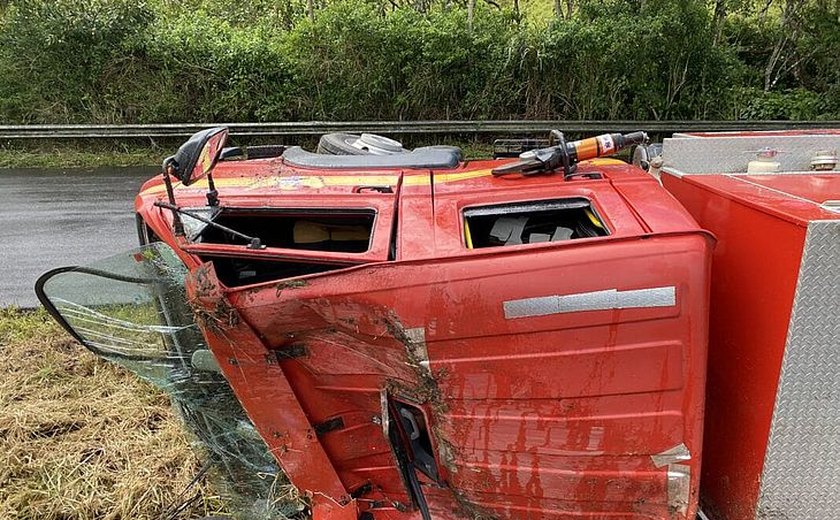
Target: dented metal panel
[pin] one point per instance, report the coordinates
(801, 477)
(523, 416)
(402, 388)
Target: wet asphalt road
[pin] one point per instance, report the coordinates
(52, 218)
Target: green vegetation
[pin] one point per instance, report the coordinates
(152, 61)
(79, 156)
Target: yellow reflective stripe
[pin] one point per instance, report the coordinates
(455, 177)
(417, 180)
(367, 180)
(292, 182)
(605, 161)
(284, 182)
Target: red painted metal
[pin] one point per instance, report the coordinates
(547, 416)
(265, 392)
(760, 222)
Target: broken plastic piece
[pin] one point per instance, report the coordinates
(508, 230)
(562, 233)
(534, 238)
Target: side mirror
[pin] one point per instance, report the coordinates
(196, 157)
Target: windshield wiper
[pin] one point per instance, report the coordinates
(253, 242)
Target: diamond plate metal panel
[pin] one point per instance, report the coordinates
(801, 478)
(698, 155)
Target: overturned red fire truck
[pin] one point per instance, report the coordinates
(403, 334)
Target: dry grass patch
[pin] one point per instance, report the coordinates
(81, 438)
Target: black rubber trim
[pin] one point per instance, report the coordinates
(286, 211)
(404, 463)
(529, 207)
(422, 158)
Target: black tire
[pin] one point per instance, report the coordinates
(340, 144)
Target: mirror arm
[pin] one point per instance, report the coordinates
(212, 193)
(169, 166)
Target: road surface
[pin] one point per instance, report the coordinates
(51, 218)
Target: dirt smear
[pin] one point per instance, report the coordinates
(427, 391)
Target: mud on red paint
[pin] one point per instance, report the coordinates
(551, 414)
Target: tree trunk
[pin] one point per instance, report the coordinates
(470, 13)
(310, 9)
(719, 20)
(558, 9)
(570, 9)
(782, 55)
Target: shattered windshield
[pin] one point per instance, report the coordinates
(132, 310)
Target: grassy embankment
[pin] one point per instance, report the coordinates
(78, 156)
(83, 439)
(75, 155)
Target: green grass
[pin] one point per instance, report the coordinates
(17, 325)
(78, 156)
(98, 155)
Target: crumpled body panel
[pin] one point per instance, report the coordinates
(573, 412)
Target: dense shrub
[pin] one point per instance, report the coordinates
(355, 64)
(214, 71)
(107, 61)
(67, 59)
(794, 104)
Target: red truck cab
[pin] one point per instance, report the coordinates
(429, 340)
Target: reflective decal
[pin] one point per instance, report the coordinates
(590, 301)
(678, 453)
(679, 488)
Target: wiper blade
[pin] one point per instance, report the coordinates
(253, 242)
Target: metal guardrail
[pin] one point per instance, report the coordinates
(14, 132)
